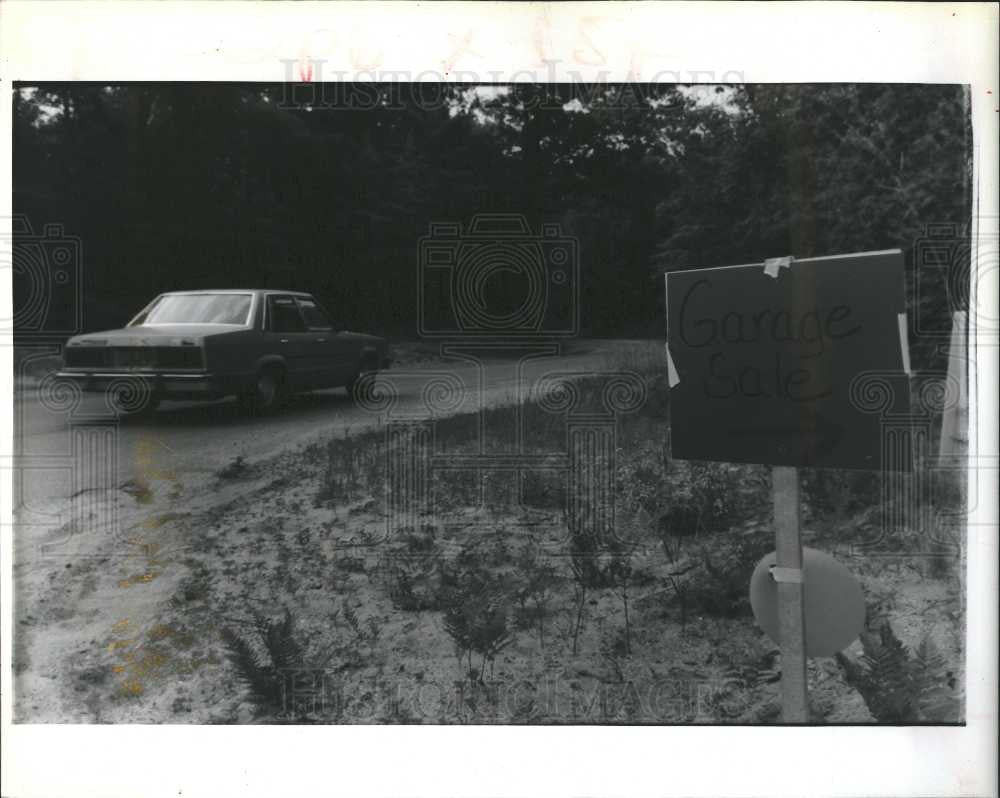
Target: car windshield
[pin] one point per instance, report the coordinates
(198, 309)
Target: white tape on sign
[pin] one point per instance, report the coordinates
(672, 377)
(788, 575)
(904, 342)
(773, 265)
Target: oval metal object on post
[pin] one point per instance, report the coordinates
(834, 602)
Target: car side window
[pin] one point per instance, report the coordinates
(315, 316)
(283, 315)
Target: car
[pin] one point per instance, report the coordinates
(259, 345)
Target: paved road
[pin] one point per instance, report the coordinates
(193, 441)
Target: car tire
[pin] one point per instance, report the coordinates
(268, 394)
(367, 366)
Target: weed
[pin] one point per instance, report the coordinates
(238, 468)
(193, 590)
(534, 592)
(419, 543)
(355, 466)
(835, 493)
(353, 565)
(621, 572)
(674, 577)
(543, 490)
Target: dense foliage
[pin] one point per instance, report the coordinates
(329, 189)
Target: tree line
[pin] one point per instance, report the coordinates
(329, 189)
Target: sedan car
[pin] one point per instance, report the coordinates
(258, 345)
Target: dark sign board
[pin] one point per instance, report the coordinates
(799, 363)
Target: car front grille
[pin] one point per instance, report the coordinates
(134, 357)
(85, 358)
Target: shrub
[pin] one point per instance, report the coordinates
(593, 552)
(831, 492)
(419, 542)
(687, 499)
(720, 585)
(534, 592)
(416, 584)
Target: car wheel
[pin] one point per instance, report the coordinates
(268, 392)
(367, 366)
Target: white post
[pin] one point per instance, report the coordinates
(955, 420)
(791, 594)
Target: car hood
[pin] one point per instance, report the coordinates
(160, 335)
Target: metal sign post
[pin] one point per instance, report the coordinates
(791, 594)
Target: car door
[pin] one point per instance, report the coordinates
(288, 336)
(336, 355)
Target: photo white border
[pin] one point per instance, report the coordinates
(687, 42)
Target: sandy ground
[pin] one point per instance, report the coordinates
(128, 631)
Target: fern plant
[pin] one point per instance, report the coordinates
(365, 633)
(899, 686)
(265, 660)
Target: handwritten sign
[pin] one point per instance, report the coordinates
(768, 365)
